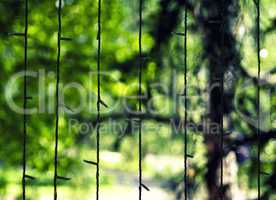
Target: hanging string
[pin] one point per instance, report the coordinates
(99, 103)
(221, 135)
(99, 100)
(57, 100)
(25, 99)
(141, 185)
(140, 94)
(257, 3)
(222, 103)
(186, 108)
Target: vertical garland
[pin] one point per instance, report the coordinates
(221, 85)
(57, 100)
(257, 3)
(25, 99)
(99, 99)
(141, 185)
(99, 103)
(185, 93)
(186, 108)
(221, 133)
(139, 96)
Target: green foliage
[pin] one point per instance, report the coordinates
(120, 66)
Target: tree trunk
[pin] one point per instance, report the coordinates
(214, 19)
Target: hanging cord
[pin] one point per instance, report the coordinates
(139, 95)
(141, 185)
(25, 99)
(221, 135)
(257, 3)
(99, 99)
(185, 138)
(186, 108)
(57, 100)
(99, 103)
(222, 105)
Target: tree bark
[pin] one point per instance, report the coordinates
(214, 18)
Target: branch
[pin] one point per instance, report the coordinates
(271, 28)
(244, 73)
(249, 140)
(166, 21)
